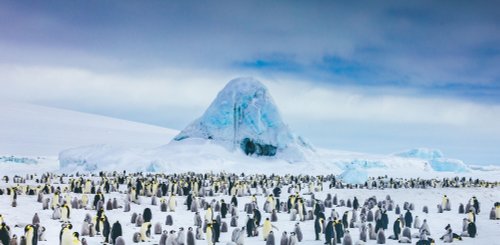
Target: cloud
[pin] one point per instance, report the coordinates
(425, 66)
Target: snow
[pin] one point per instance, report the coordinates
(28, 130)
(487, 229)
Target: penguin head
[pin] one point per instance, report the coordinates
(76, 235)
(28, 228)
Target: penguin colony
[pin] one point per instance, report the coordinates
(243, 206)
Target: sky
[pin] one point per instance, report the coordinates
(366, 76)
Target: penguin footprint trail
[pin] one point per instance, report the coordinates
(236, 209)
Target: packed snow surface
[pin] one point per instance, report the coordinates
(32, 130)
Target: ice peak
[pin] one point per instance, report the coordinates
(243, 116)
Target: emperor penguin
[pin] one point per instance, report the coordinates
(133, 218)
(157, 228)
(65, 213)
(13, 240)
(36, 219)
(76, 239)
(416, 223)
(163, 238)
(270, 239)
(190, 239)
(145, 231)
(163, 205)
(497, 209)
(41, 233)
(119, 241)
(471, 216)
(318, 227)
(139, 221)
(292, 240)
(66, 234)
(85, 231)
(116, 231)
(181, 237)
(136, 237)
(380, 236)
(406, 233)
(147, 215)
(347, 238)
(284, 238)
(209, 234)
(172, 203)
(235, 234)
(274, 216)
(56, 214)
(199, 233)
(493, 214)
(266, 228)
(234, 221)
(363, 236)
(172, 238)
(31, 235)
(298, 232)
(169, 221)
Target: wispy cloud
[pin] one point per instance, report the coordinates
(413, 65)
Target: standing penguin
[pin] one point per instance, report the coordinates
(65, 213)
(116, 232)
(292, 240)
(270, 239)
(31, 235)
(190, 239)
(363, 236)
(145, 231)
(347, 238)
(329, 232)
(497, 209)
(396, 228)
(171, 239)
(234, 221)
(209, 234)
(66, 235)
(267, 227)
(380, 237)
(471, 229)
(318, 227)
(250, 227)
(493, 214)
(274, 216)
(298, 232)
(408, 218)
(172, 203)
(36, 219)
(181, 237)
(106, 228)
(416, 224)
(284, 238)
(4, 233)
(371, 232)
(147, 215)
(163, 238)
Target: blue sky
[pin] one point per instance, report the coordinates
(366, 76)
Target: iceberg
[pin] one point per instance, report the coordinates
(244, 117)
(436, 159)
